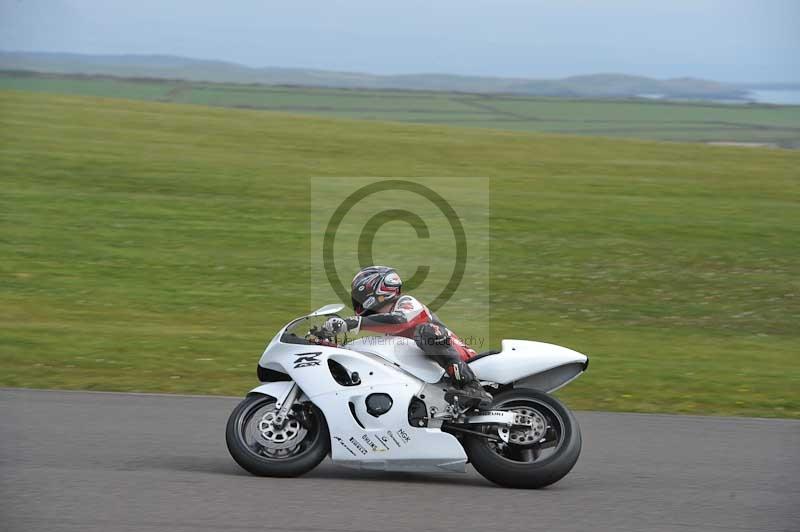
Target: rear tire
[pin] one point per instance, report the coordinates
(516, 473)
(258, 459)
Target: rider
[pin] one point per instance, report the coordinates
(379, 307)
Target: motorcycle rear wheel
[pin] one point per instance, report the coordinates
(291, 451)
(528, 464)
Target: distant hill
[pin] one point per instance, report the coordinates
(173, 67)
(776, 86)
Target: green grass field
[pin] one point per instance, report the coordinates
(696, 122)
(149, 246)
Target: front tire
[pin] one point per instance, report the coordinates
(294, 449)
(523, 462)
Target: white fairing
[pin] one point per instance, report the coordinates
(538, 365)
(402, 352)
(385, 442)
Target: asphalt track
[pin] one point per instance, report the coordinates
(129, 462)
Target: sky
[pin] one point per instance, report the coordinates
(725, 40)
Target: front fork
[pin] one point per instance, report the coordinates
(284, 404)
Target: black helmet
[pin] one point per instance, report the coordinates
(373, 286)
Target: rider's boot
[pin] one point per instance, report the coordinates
(466, 387)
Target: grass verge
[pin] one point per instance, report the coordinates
(155, 247)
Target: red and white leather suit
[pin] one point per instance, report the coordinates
(411, 319)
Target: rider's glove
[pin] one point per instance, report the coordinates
(337, 325)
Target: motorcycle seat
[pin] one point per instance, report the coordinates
(483, 354)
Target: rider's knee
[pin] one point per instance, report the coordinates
(431, 334)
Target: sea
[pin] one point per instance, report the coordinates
(776, 97)
(785, 97)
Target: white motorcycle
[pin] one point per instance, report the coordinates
(378, 403)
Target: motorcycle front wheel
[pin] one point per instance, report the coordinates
(534, 457)
(265, 448)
